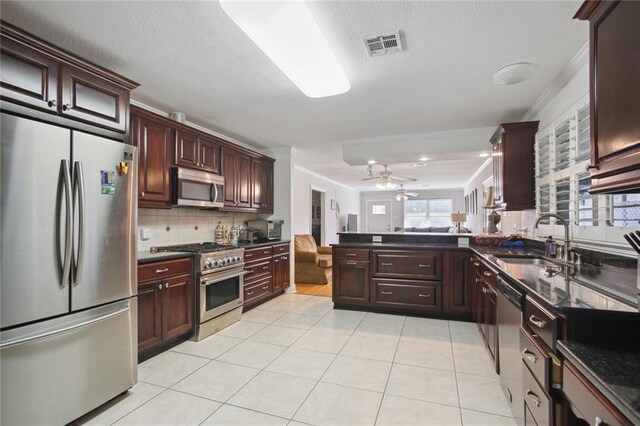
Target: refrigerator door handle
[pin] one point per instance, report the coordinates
(22, 341)
(79, 188)
(66, 266)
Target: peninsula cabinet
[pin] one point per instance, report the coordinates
(197, 152)
(39, 76)
(485, 298)
(351, 281)
(514, 166)
(155, 157)
(614, 94)
(165, 304)
(457, 283)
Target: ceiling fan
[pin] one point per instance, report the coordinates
(403, 195)
(386, 178)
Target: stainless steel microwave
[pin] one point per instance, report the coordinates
(196, 188)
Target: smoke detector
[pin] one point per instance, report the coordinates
(383, 44)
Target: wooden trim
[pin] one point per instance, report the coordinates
(587, 9)
(63, 56)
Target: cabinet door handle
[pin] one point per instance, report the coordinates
(264, 268)
(142, 194)
(387, 292)
(66, 107)
(249, 271)
(159, 271)
(249, 293)
(166, 285)
(476, 264)
(484, 290)
(487, 274)
(284, 257)
(266, 252)
(424, 295)
(533, 397)
(160, 286)
(424, 266)
(386, 264)
(530, 355)
(537, 321)
(351, 254)
(351, 262)
(477, 280)
(266, 287)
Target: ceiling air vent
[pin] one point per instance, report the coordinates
(383, 44)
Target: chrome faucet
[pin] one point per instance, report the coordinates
(566, 256)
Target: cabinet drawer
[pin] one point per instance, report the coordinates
(587, 401)
(411, 294)
(168, 268)
(257, 253)
(260, 288)
(256, 270)
(536, 400)
(281, 249)
(421, 265)
(541, 322)
(352, 254)
(535, 356)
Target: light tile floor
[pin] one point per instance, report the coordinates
(294, 361)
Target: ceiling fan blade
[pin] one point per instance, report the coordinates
(412, 194)
(371, 178)
(403, 179)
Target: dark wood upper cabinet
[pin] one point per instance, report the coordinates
(28, 77)
(197, 152)
(267, 186)
(38, 75)
(257, 183)
(514, 165)
(154, 140)
(614, 94)
(93, 100)
(236, 169)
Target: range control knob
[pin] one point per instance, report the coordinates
(207, 264)
(214, 264)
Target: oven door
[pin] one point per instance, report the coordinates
(196, 188)
(220, 292)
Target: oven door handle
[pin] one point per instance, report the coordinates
(224, 277)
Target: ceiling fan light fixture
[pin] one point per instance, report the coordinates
(513, 74)
(386, 185)
(371, 162)
(402, 197)
(423, 159)
(289, 35)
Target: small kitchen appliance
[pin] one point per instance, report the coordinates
(267, 229)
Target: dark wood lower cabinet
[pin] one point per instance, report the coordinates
(422, 296)
(267, 273)
(165, 304)
(457, 283)
(351, 282)
(280, 272)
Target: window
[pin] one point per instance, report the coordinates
(563, 196)
(425, 213)
(379, 209)
(625, 210)
(587, 208)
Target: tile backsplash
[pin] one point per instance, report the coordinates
(183, 225)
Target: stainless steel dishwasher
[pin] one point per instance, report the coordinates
(509, 308)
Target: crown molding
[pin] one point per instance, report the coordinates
(480, 170)
(564, 76)
(318, 175)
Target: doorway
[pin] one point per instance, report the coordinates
(378, 216)
(316, 215)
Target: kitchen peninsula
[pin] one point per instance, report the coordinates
(557, 306)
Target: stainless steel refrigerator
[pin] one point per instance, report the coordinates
(68, 314)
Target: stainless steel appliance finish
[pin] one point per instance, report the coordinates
(249, 235)
(220, 287)
(267, 229)
(509, 307)
(196, 188)
(68, 271)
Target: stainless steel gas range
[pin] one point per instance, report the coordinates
(219, 280)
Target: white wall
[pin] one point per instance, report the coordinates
(397, 207)
(347, 198)
(474, 221)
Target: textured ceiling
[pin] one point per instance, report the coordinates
(188, 56)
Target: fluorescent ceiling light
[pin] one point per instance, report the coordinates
(287, 33)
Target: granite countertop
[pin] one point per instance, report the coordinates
(616, 374)
(148, 257)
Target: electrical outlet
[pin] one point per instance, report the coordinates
(376, 238)
(463, 242)
(145, 234)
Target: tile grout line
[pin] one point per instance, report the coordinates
(384, 392)
(455, 374)
(329, 366)
(265, 367)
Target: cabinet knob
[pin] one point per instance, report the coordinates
(166, 285)
(52, 103)
(159, 286)
(142, 194)
(66, 107)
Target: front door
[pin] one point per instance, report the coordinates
(378, 216)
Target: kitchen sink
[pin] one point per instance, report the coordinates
(535, 261)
